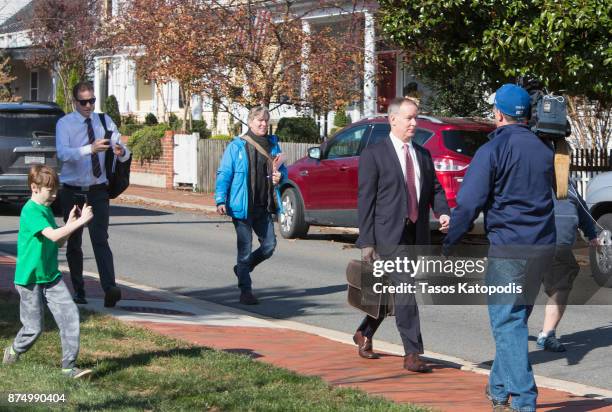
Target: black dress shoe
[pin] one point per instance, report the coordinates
(112, 296)
(80, 300)
(413, 363)
(247, 298)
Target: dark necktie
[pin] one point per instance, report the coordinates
(95, 159)
(413, 209)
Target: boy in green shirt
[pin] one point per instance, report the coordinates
(37, 277)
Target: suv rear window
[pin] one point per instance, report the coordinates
(465, 142)
(23, 124)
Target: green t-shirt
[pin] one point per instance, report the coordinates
(36, 255)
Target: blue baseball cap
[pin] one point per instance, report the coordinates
(512, 100)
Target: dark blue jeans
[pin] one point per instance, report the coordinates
(511, 373)
(260, 222)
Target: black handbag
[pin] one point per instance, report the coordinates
(117, 173)
(361, 294)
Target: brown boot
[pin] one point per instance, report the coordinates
(364, 346)
(413, 363)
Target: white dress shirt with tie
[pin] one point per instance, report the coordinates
(399, 149)
(74, 149)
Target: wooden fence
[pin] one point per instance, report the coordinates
(586, 163)
(211, 151)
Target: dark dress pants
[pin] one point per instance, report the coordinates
(406, 309)
(98, 233)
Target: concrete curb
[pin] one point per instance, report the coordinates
(208, 209)
(159, 202)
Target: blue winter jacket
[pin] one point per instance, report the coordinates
(509, 180)
(232, 188)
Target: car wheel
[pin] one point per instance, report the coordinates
(292, 223)
(601, 258)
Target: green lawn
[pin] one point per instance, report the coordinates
(135, 370)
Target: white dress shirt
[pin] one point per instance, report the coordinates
(399, 149)
(74, 149)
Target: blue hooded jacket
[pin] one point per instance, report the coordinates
(510, 180)
(232, 187)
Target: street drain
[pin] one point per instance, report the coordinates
(157, 311)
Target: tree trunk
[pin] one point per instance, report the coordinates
(64, 81)
(160, 93)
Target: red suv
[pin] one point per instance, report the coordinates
(322, 187)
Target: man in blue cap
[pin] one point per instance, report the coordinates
(510, 180)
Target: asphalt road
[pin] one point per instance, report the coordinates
(193, 254)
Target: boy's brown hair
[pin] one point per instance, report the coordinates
(43, 176)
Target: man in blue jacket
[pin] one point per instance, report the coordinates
(247, 190)
(510, 180)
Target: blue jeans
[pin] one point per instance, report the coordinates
(511, 373)
(260, 222)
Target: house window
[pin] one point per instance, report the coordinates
(34, 85)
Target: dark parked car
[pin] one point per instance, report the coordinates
(27, 137)
(322, 187)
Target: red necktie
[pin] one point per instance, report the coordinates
(413, 209)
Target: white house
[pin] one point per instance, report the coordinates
(116, 74)
(30, 83)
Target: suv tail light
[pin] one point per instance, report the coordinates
(449, 165)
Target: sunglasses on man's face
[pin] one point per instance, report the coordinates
(91, 101)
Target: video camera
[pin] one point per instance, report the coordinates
(548, 111)
(549, 122)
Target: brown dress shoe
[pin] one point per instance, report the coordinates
(364, 346)
(413, 363)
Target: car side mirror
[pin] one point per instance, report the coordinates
(314, 153)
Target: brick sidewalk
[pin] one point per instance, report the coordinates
(446, 389)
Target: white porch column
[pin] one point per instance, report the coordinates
(369, 81)
(122, 85)
(130, 95)
(155, 104)
(196, 107)
(97, 93)
(305, 78)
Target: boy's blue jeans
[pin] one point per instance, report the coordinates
(511, 373)
(260, 222)
(31, 312)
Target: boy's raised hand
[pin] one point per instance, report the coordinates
(86, 214)
(74, 214)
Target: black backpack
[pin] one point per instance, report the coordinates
(117, 173)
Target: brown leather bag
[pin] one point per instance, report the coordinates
(360, 278)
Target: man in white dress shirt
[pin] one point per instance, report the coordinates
(82, 145)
